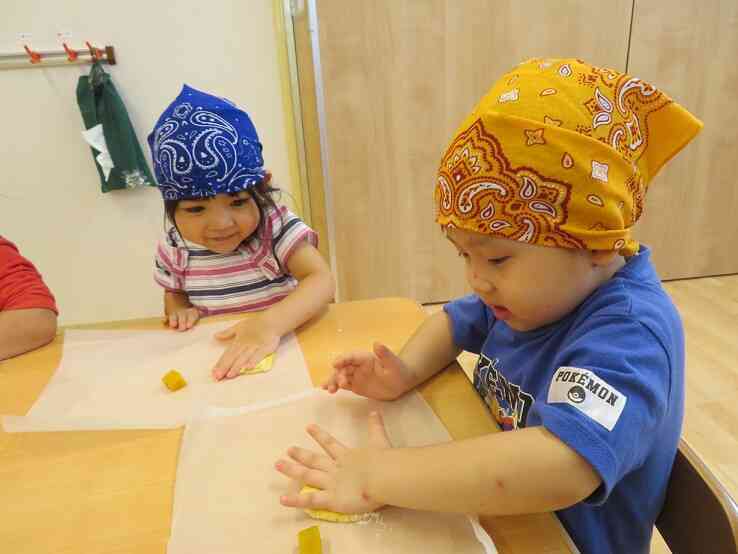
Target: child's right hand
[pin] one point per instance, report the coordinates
(381, 375)
(182, 319)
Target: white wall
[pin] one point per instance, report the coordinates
(95, 250)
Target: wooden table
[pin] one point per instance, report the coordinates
(111, 491)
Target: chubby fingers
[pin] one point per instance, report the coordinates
(310, 459)
(341, 379)
(330, 384)
(227, 365)
(319, 500)
(172, 320)
(377, 431)
(332, 446)
(192, 315)
(351, 359)
(245, 360)
(298, 472)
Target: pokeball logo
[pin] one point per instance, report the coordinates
(576, 394)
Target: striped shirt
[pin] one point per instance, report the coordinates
(250, 278)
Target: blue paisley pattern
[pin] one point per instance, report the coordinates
(204, 145)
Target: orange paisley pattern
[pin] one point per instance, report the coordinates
(560, 153)
(519, 204)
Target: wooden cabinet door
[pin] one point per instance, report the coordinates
(398, 76)
(688, 49)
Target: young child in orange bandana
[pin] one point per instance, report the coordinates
(581, 352)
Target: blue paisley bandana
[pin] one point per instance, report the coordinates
(203, 145)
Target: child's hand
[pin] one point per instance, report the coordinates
(342, 475)
(182, 319)
(381, 375)
(252, 342)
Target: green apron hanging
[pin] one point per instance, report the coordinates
(100, 104)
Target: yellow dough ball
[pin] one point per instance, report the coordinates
(174, 380)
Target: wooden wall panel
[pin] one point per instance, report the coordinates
(688, 49)
(399, 76)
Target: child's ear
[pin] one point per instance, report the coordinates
(603, 258)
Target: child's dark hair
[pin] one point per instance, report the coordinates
(263, 194)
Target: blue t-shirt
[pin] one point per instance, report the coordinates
(608, 380)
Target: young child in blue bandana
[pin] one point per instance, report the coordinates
(229, 246)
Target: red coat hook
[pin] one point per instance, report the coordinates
(72, 55)
(35, 56)
(96, 53)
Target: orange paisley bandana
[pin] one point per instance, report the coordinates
(560, 153)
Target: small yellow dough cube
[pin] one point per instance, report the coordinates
(262, 367)
(327, 515)
(174, 380)
(308, 541)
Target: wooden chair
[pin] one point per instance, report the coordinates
(699, 516)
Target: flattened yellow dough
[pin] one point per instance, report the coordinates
(262, 367)
(327, 515)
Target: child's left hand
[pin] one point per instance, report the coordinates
(342, 475)
(252, 342)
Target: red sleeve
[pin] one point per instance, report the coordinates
(21, 285)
